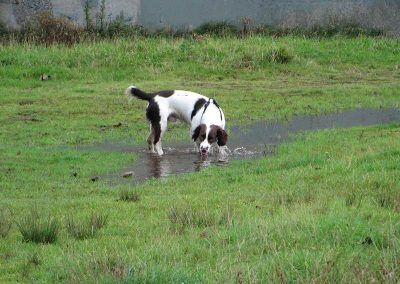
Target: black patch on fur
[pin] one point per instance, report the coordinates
(205, 108)
(164, 94)
(153, 115)
(216, 104)
(141, 94)
(219, 108)
(198, 105)
(200, 130)
(150, 96)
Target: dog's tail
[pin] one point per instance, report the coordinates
(132, 91)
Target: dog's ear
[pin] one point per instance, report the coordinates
(222, 137)
(196, 133)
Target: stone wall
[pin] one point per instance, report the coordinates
(187, 14)
(26, 9)
(15, 13)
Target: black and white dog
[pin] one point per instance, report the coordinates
(206, 119)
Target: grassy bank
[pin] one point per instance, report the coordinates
(324, 208)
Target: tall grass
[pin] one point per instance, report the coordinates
(129, 195)
(182, 218)
(86, 227)
(217, 29)
(5, 222)
(38, 228)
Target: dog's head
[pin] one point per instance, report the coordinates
(207, 135)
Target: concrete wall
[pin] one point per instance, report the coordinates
(188, 14)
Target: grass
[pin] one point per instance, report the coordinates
(182, 218)
(5, 222)
(129, 195)
(83, 229)
(324, 208)
(217, 29)
(37, 228)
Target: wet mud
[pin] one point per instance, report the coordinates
(251, 141)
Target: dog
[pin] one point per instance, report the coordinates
(204, 115)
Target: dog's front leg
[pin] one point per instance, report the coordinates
(159, 148)
(196, 147)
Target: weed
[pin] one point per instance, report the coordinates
(279, 55)
(320, 30)
(5, 222)
(217, 29)
(292, 197)
(386, 195)
(109, 265)
(88, 19)
(389, 199)
(276, 55)
(38, 229)
(182, 218)
(248, 61)
(344, 29)
(98, 220)
(226, 218)
(3, 29)
(102, 15)
(247, 24)
(354, 198)
(112, 268)
(159, 274)
(129, 195)
(118, 27)
(34, 259)
(48, 29)
(83, 229)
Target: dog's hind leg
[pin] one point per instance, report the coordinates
(159, 134)
(159, 130)
(154, 116)
(150, 139)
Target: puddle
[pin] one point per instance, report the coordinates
(256, 140)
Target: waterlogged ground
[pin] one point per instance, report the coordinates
(250, 141)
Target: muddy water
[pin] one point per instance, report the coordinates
(258, 139)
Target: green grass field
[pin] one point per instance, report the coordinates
(324, 208)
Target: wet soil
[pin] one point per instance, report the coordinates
(255, 140)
